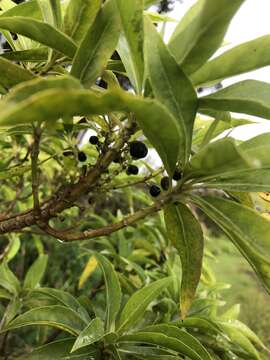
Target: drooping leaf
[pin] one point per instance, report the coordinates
(12, 74)
(91, 334)
(113, 291)
(186, 236)
(170, 86)
(249, 97)
(8, 280)
(137, 304)
(245, 57)
(79, 16)
(201, 32)
(88, 270)
(41, 32)
(247, 229)
(31, 55)
(36, 272)
(55, 316)
(54, 104)
(97, 45)
(130, 47)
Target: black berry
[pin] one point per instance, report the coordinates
(132, 170)
(93, 140)
(165, 183)
(138, 150)
(155, 190)
(68, 153)
(117, 159)
(81, 156)
(177, 175)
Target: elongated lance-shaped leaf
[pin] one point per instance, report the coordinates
(249, 97)
(79, 16)
(8, 279)
(137, 304)
(186, 236)
(36, 272)
(55, 316)
(98, 45)
(170, 86)
(31, 55)
(185, 337)
(201, 32)
(12, 74)
(91, 334)
(51, 105)
(245, 57)
(130, 47)
(51, 11)
(248, 230)
(113, 291)
(26, 9)
(41, 32)
(164, 341)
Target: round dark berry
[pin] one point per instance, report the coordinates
(68, 153)
(82, 156)
(155, 190)
(165, 183)
(132, 170)
(117, 159)
(177, 175)
(138, 150)
(93, 140)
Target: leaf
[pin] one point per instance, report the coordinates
(201, 32)
(12, 74)
(185, 337)
(245, 57)
(202, 323)
(57, 350)
(26, 9)
(36, 272)
(55, 316)
(90, 267)
(249, 97)
(79, 17)
(54, 104)
(41, 32)
(130, 47)
(113, 291)
(8, 280)
(137, 304)
(4, 294)
(248, 230)
(97, 46)
(164, 341)
(31, 55)
(170, 86)
(186, 236)
(51, 11)
(91, 334)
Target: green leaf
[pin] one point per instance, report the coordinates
(201, 32)
(91, 334)
(57, 350)
(164, 341)
(56, 316)
(113, 291)
(173, 332)
(51, 11)
(130, 47)
(202, 323)
(79, 17)
(31, 55)
(8, 280)
(36, 272)
(26, 9)
(245, 57)
(97, 46)
(12, 74)
(4, 294)
(249, 97)
(137, 304)
(54, 104)
(247, 229)
(41, 32)
(170, 86)
(186, 236)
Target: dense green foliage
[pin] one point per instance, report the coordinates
(129, 276)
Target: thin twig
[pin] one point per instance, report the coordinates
(35, 169)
